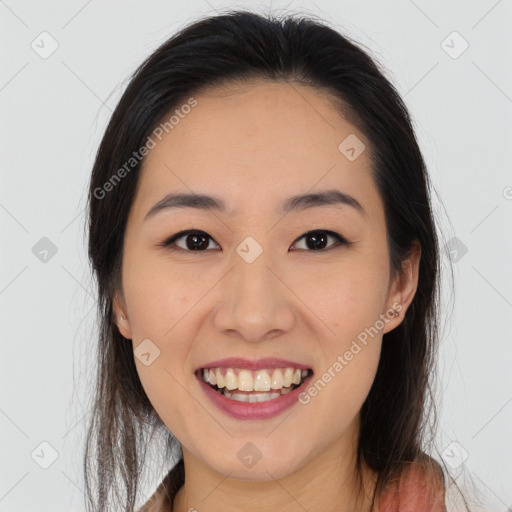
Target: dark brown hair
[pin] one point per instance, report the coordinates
(239, 46)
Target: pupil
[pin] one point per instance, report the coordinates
(319, 240)
(195, 238)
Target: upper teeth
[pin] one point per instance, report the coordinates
(247, 380)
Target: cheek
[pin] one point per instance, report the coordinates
(167, 391)
(161, 303)
(350, 301)
(344, 378)
(346, 391)
(158, 298)
(348, 297)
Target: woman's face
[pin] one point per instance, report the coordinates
(256, 287)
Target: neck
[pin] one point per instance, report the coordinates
(326, 483)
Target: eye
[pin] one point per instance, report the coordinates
(196, 240)
(316, 240)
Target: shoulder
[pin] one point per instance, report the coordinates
(418, 488)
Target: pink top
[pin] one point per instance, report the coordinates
(413, 493)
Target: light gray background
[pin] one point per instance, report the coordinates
(53, 113)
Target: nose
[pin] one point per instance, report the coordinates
(255, 303)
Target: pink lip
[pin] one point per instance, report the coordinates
(260, 364)
(252, 411)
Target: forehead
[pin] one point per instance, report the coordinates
(256, 143)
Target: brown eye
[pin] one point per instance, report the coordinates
(199, 241)
(193, 240)
(317, 240)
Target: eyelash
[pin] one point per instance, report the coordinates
(340, 241)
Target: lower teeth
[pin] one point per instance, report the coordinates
(253, 397)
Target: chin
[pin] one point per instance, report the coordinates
(251, 463)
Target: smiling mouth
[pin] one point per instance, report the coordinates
(251, 386)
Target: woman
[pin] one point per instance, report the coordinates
(267, 263)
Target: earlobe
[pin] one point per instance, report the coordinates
(404, 287)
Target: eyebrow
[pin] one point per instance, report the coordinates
(295, 203)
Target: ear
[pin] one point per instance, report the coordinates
(120, 316)
(403, 288)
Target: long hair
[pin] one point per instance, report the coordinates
(237, 47)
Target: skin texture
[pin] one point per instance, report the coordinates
(254, 146)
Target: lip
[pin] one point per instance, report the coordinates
(256, 410)
(259, 364)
